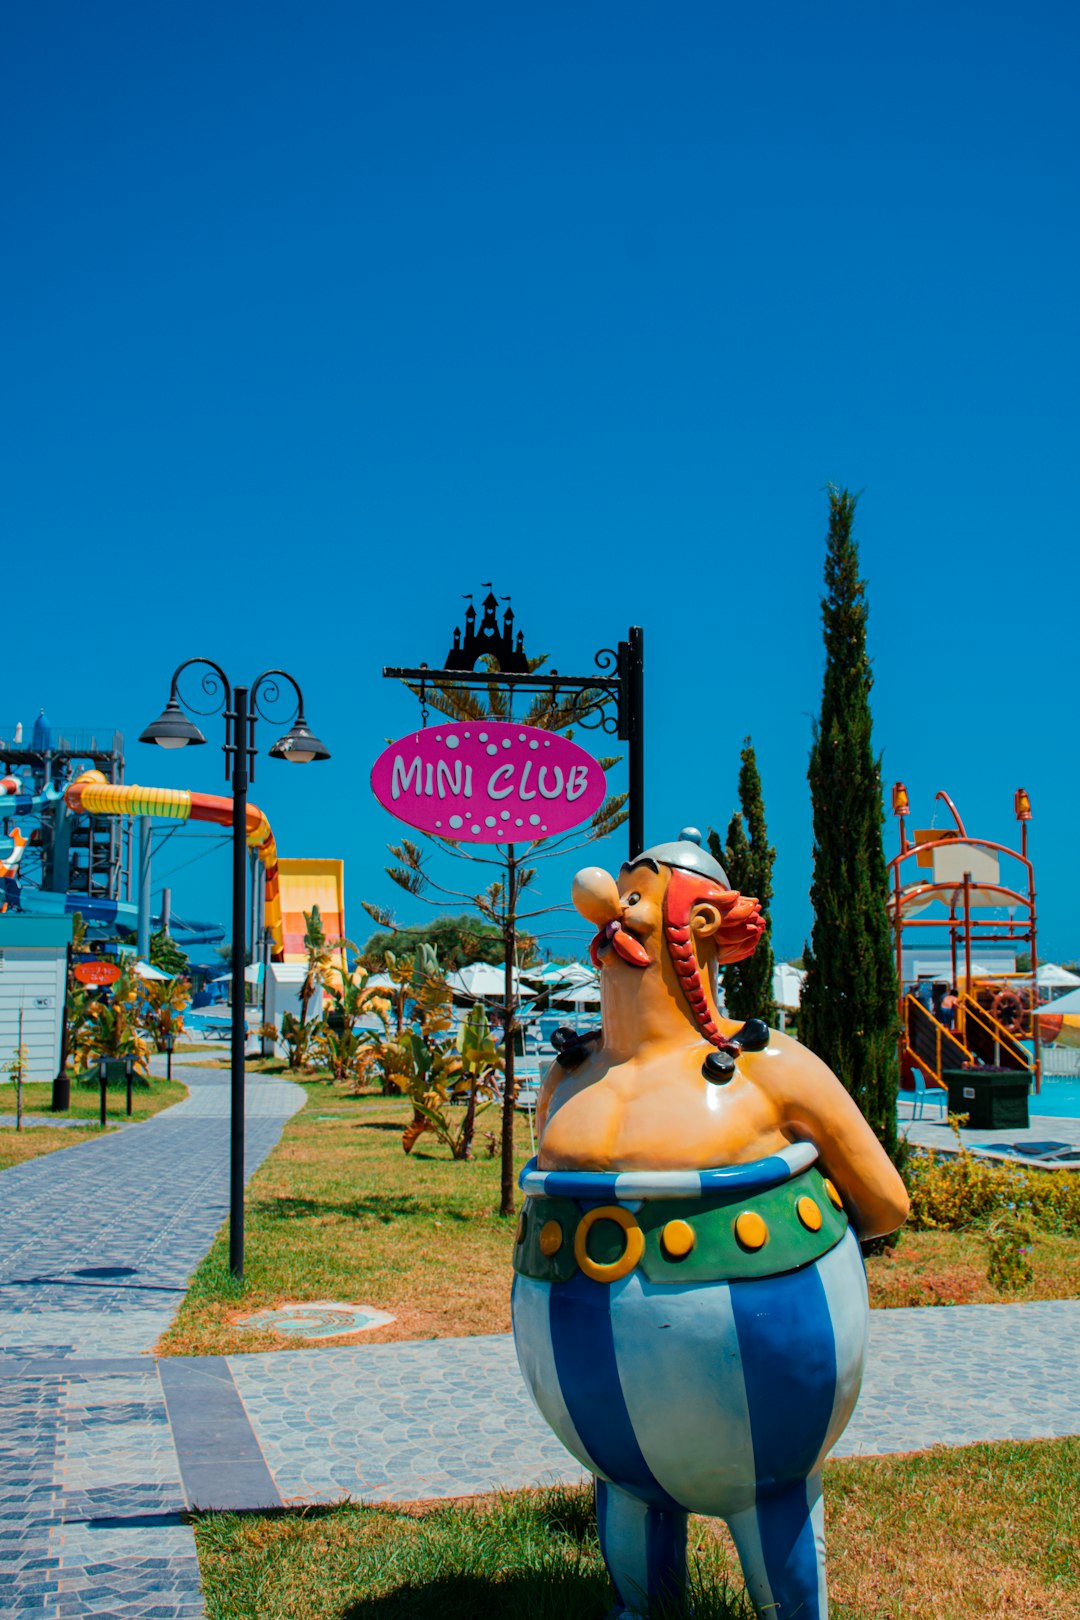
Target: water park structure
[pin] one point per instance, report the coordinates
(57, 858)
(68, 821)
(947, 881)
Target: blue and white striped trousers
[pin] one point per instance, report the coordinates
(720, 1398)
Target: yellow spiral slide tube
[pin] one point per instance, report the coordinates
(91, 794)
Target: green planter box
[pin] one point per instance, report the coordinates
(992, 1098)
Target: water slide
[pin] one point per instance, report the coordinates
(92, 794)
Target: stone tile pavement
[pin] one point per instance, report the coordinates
(102, 1449)
(96, 1247)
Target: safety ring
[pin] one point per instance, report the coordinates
(635, 1244)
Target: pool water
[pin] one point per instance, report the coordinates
(1061, 1097)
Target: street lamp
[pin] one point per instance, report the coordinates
(169, 1042)
(173, 729)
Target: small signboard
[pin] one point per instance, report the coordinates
(97, 972)
(488, 782)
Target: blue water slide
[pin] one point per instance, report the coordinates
(99, 910)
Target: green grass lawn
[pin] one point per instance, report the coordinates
(339, 1212)
(980, 1533)
(18, 1146)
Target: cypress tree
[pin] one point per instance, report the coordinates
(848, 1008)
(748, 857)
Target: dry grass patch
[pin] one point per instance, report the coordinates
(32, 1141)
(949, 1268)
(981, 1533)
(338, 1211)
(29, 1143)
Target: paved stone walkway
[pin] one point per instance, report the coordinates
(96, 1247)
(932, 1130)
(102, 1449)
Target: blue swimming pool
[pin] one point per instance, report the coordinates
(1061, 1097)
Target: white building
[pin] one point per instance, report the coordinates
(33, 982)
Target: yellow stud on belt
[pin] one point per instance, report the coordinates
(632, 1253)
(809, 1213)
(678, 1238)
(834, 1196)
(751, 1230)
(551, 1236)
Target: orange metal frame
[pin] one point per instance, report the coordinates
(964, 926)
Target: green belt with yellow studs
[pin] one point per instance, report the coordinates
(714, 1238)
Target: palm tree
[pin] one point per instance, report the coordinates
(320, 961)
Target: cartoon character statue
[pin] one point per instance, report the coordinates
(689, 1305)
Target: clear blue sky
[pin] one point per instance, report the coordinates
(317, 315)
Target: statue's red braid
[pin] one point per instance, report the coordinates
(742, 927)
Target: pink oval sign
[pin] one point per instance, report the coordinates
(488, 782)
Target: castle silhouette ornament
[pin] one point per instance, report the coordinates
(487, 640)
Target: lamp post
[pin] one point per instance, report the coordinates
(169, 1042)
(173, 729)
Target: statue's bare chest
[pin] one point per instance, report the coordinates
(662, 1112)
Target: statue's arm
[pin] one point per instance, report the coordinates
(816, 1108)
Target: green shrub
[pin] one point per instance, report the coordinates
(954, 1192)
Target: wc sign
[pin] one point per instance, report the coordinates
(488, 782)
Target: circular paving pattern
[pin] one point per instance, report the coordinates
(315, 1319)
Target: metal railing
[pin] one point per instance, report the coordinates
(932, 1046)
(1061, 1061)
(82, 741)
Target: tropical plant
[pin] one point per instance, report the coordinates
(111, 1029)
(166, 955)
(297, 1036)
(161, 1011)
(847, 1013)
(443, 1071)
(78, 998)
(400, 969)
(481, 1061)
(345, 1049)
